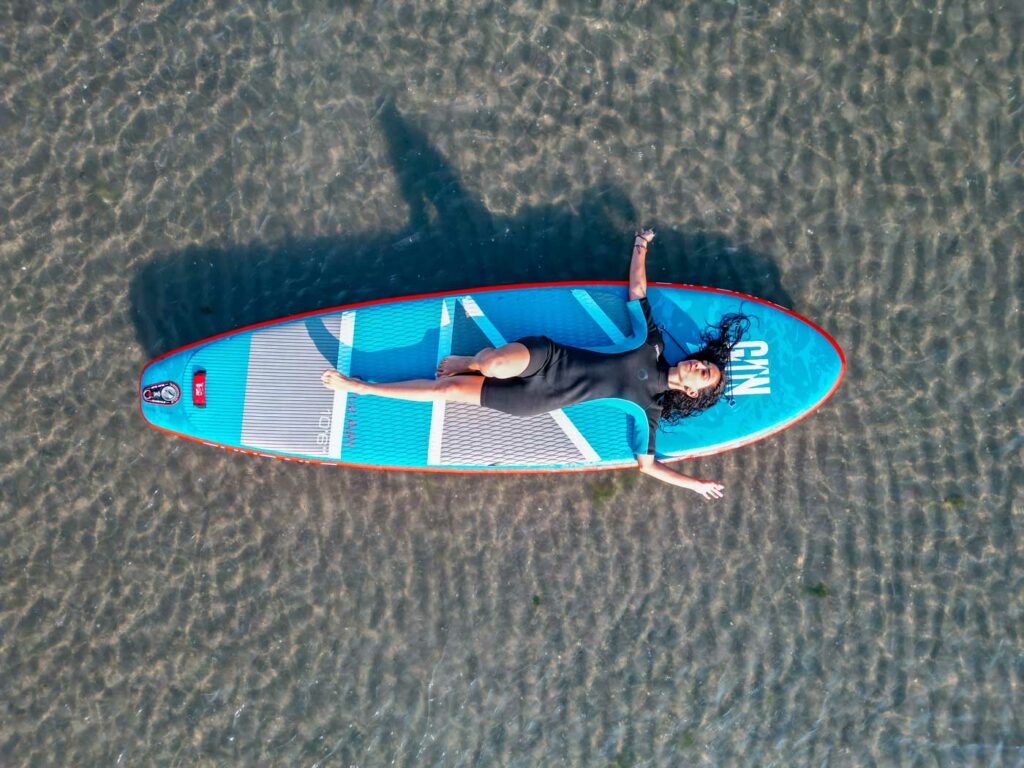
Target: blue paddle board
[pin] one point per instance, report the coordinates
(258, 389)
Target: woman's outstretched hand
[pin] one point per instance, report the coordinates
(656, 469)
(708, 489)
(646, 235)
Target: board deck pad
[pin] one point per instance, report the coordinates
(284, 398)
(480, 436)
(263, 390)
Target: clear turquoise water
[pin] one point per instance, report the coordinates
(172, 171)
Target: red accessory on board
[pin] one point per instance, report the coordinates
(199, 389)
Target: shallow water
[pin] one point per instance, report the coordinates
(172, 171)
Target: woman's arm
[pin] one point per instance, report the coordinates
(707, 489)
(638, 265)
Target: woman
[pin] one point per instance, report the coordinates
(535, 375)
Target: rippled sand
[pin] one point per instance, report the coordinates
(170, 172)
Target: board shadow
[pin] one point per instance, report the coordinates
(451, 242)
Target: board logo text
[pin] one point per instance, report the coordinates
(748, 369)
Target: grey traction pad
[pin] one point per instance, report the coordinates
(478, 436)
(285, 363)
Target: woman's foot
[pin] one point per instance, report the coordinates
(453, 365)
(334, 380)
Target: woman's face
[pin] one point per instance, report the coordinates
(692, 376)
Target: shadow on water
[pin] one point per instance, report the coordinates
(451, 242)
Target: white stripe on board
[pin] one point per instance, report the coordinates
(444, 348)
(346, 336)
(598, 315)
(473, 310)
(575, 435)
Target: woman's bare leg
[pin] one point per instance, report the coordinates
(505, 362)
(453, 389)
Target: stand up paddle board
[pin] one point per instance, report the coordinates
(258, 389)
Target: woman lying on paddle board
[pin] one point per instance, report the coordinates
(534, 375)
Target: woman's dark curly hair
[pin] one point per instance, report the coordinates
(718, 341)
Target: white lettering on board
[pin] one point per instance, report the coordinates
(323, 425)
(748, 369)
